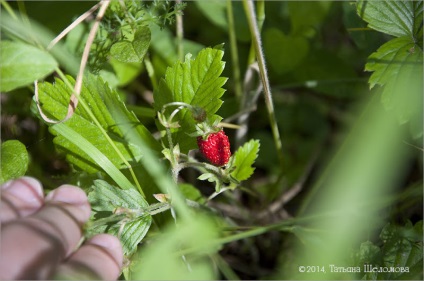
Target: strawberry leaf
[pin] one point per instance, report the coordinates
(196, 82)
(14, 160)
(243, 159)
(135, 50)
(105, 199)
(397, 65)
(104, 105)
(392, 58)
(397, 18)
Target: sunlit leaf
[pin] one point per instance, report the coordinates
(105, 199)
(196, 82)
(22, 64)
(243, 160)
(14, 160)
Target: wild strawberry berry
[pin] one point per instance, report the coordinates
(216, 148)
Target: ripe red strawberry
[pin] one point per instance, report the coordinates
(216, 148)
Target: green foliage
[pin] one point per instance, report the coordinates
(54, 99)
(315, 52)
(398, 63)
(397, 18)
(135, 50)
(107, 201)
(21, 64)
(288, 51)
(14, 160)
(196, 82)
(402, 248)
(163, 260)
(243, 159)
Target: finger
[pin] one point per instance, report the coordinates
(20, 198)
(100, 257)
(33, 246)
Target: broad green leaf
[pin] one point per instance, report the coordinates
(22, 64)
(132, 51)
(196, 82)
(402, 248)
(14, 160)
(105, 199)
(398, 66)
(93, 153)
(397, 18)
(161, 260)
(54, 99)
(243, 160)
(285, 51)
(391, 58)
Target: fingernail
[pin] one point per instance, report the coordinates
(27, 189)
(72, 195)
(109, 242)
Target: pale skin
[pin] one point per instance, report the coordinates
(40, 235)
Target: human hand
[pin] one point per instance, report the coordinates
(39, 236)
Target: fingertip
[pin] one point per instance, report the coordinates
(100, 256)
(72, 195)
(111, 244)
(22, 197)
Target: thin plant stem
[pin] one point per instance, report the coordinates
(9, 9)
(180, 33)
(150, 71)
(234, 51)
(253, 26)
(223, 266)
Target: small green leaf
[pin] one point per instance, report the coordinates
(135, 50)
(397, 18)
(243, 160)
(14, 160)
(22, 64)
(104, 199)
(196, 82)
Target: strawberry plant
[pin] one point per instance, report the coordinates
(224, 140)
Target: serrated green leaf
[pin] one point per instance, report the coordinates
(14, 160)
(196, 82)
(103, 102)
(22, 64)
(243, 160)
(135, 50)
(398, 66)
(93, 153)
(104, 199)
(397, 18)
(391, 58)
(402, 248)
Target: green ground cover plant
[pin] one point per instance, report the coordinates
(321, 101)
